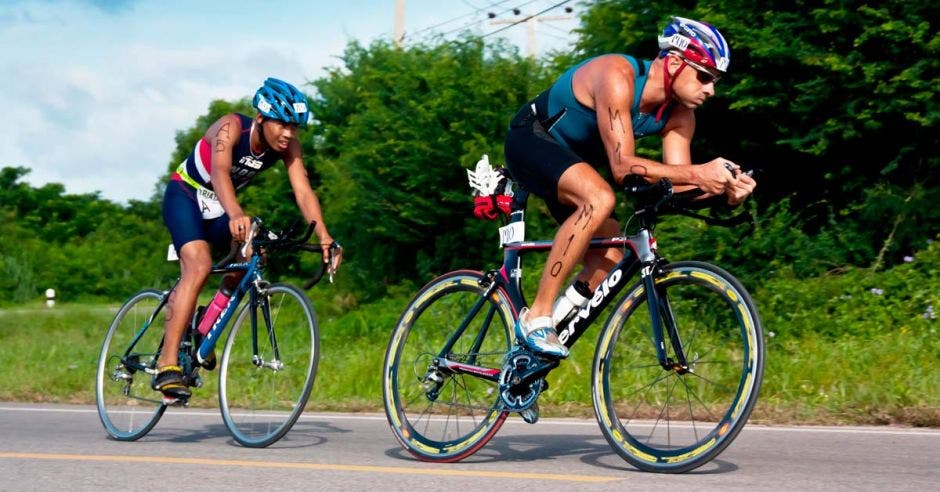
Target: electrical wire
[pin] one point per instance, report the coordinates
(559, 4)
(475, 12)
(465, 26)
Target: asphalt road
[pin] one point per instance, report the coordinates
(58, 447)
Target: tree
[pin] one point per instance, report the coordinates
(834, 100)
(396, 130)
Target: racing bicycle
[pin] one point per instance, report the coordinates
(677, 366)
(268, 362)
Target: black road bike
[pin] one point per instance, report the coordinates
(676, 371)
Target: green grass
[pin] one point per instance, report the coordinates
(829, 360)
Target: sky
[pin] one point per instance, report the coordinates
(96, 90)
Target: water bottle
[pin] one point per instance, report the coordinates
(213, 310)
(576, 296)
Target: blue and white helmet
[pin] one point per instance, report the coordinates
(281, 101)
(697, 42)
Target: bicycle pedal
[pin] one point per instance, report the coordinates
(530, 415)
(172, 401)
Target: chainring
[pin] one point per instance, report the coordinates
(515, 395)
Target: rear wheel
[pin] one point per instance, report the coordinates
(437, 411)
(127, 406)
(674, 419)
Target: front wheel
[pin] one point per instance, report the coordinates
(442, 365)
(269, 366)
(127, 406)
(659, 415)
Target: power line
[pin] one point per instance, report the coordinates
(511, 9)
(475, 12)
(559, 4)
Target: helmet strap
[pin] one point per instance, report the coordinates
(668, 81)
(255, 126)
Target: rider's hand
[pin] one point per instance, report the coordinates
(714, 177)
(334, 255)
(740, 188)
(239, 226)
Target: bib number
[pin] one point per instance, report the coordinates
(209, 205)
(512, 233)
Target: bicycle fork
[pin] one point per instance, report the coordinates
(661, 316)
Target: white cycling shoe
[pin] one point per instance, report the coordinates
(539, 336)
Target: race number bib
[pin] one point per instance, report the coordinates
(209, 204)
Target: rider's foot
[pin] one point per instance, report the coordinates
(539, 335)
(169, 381)
(531, 414)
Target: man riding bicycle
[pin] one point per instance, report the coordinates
(592, 115)
(200, 209)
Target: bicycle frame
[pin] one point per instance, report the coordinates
(251, 277)
(639, 255)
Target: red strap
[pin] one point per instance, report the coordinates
(667, 84)
(488, 207)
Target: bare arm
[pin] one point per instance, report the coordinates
(307, 199)
(611, 83)
(223, 135)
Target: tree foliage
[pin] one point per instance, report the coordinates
(396, 131)
(834, 100)
(80, 245)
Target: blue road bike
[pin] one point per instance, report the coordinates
(268, 362)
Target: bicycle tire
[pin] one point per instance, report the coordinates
(127, 405)
(636, 400)
(466, 411)
(260, 404)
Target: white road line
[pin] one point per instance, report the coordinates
(902, 431)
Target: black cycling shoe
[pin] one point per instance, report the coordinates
(169, 381)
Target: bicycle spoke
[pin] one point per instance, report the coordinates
(127, 406)
(695, 416)
(450, 323)
(260, 404)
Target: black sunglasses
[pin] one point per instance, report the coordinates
(706, 77)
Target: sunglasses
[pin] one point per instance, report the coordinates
(704, 76)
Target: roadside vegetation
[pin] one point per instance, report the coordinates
(835, 105)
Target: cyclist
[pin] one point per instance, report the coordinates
(200, 209)
(590, 117)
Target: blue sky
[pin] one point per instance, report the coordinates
(97, 89)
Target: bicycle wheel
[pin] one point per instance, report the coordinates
(437, 412)
(263, 392)
(127, 405)
(668, 419)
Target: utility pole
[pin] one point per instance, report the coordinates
(399, 23)
(530, 22)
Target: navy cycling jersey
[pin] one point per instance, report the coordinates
(245, 163)
(575, 125)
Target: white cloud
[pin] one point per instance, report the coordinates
(97, 94)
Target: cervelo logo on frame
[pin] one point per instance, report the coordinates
(600, 294)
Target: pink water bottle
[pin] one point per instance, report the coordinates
(213, 310)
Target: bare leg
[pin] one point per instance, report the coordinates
(582, 187)
(598, 262)
(195, 264)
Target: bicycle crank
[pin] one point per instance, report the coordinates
(522, 379)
